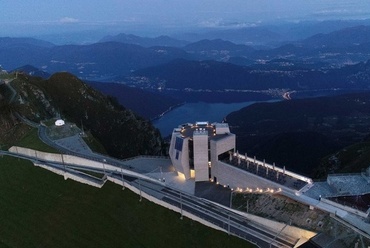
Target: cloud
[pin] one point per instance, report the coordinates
(227, 24)
(211, 23)
(66, 20)
(340, 12)
(331, 11)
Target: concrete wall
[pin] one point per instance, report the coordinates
(73, 160)
(68, 175)
(37, 154)
(76, 178)
(222, 128)
(237, 178)
(200, 149)
(52, 169)
(223, 144)
(281, 170)
(218, 147)
(182, 163)
(184, 158)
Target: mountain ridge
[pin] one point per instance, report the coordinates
(106, 61)
(162, 40)
(213, 75)
(299, 133)
(122, 133)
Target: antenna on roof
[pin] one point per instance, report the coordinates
(82, 129)
(58, 114)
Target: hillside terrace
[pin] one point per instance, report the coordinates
(340, 185)
(349, 184)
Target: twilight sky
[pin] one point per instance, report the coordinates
(27, 17)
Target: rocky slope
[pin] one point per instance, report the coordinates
(122, 133)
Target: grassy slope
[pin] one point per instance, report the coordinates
(40, 209)
(31, 140)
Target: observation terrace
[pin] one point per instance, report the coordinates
(272, 173)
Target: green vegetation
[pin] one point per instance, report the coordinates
(94, 144)
(31, 140)
(92, 173)
(121, 132)
(5, 91)
(299, 133)
(49, 122)
(6, 76)
(354, 158)
(40, 209)
(241, 200)
(292, 207)
(12, 134)
(19, 134)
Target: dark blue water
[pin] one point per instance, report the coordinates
(192, 112)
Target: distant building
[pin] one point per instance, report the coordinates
(195, 148)
(59, 123)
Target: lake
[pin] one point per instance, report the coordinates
(199, 111)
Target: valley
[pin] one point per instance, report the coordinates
(295, 94)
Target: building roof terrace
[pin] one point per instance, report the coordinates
(271, 173)
(188, 130)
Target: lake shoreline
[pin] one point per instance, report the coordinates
(190, 112)
(167, 111)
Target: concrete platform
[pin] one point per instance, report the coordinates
(213, 192)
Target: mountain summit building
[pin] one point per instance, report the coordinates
(206, 152)
(196, 148)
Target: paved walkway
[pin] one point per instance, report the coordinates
(162, 169)
(75, 143)
(175, 181)
(159, 168)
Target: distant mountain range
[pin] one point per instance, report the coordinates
(273, 35)
(212, 75)
(163, 40)
(352, 36)
(95, 61)
(217, 49)
(315, 62)
(9, 42)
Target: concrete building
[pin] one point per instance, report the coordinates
(196, 148)
(206, 152)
